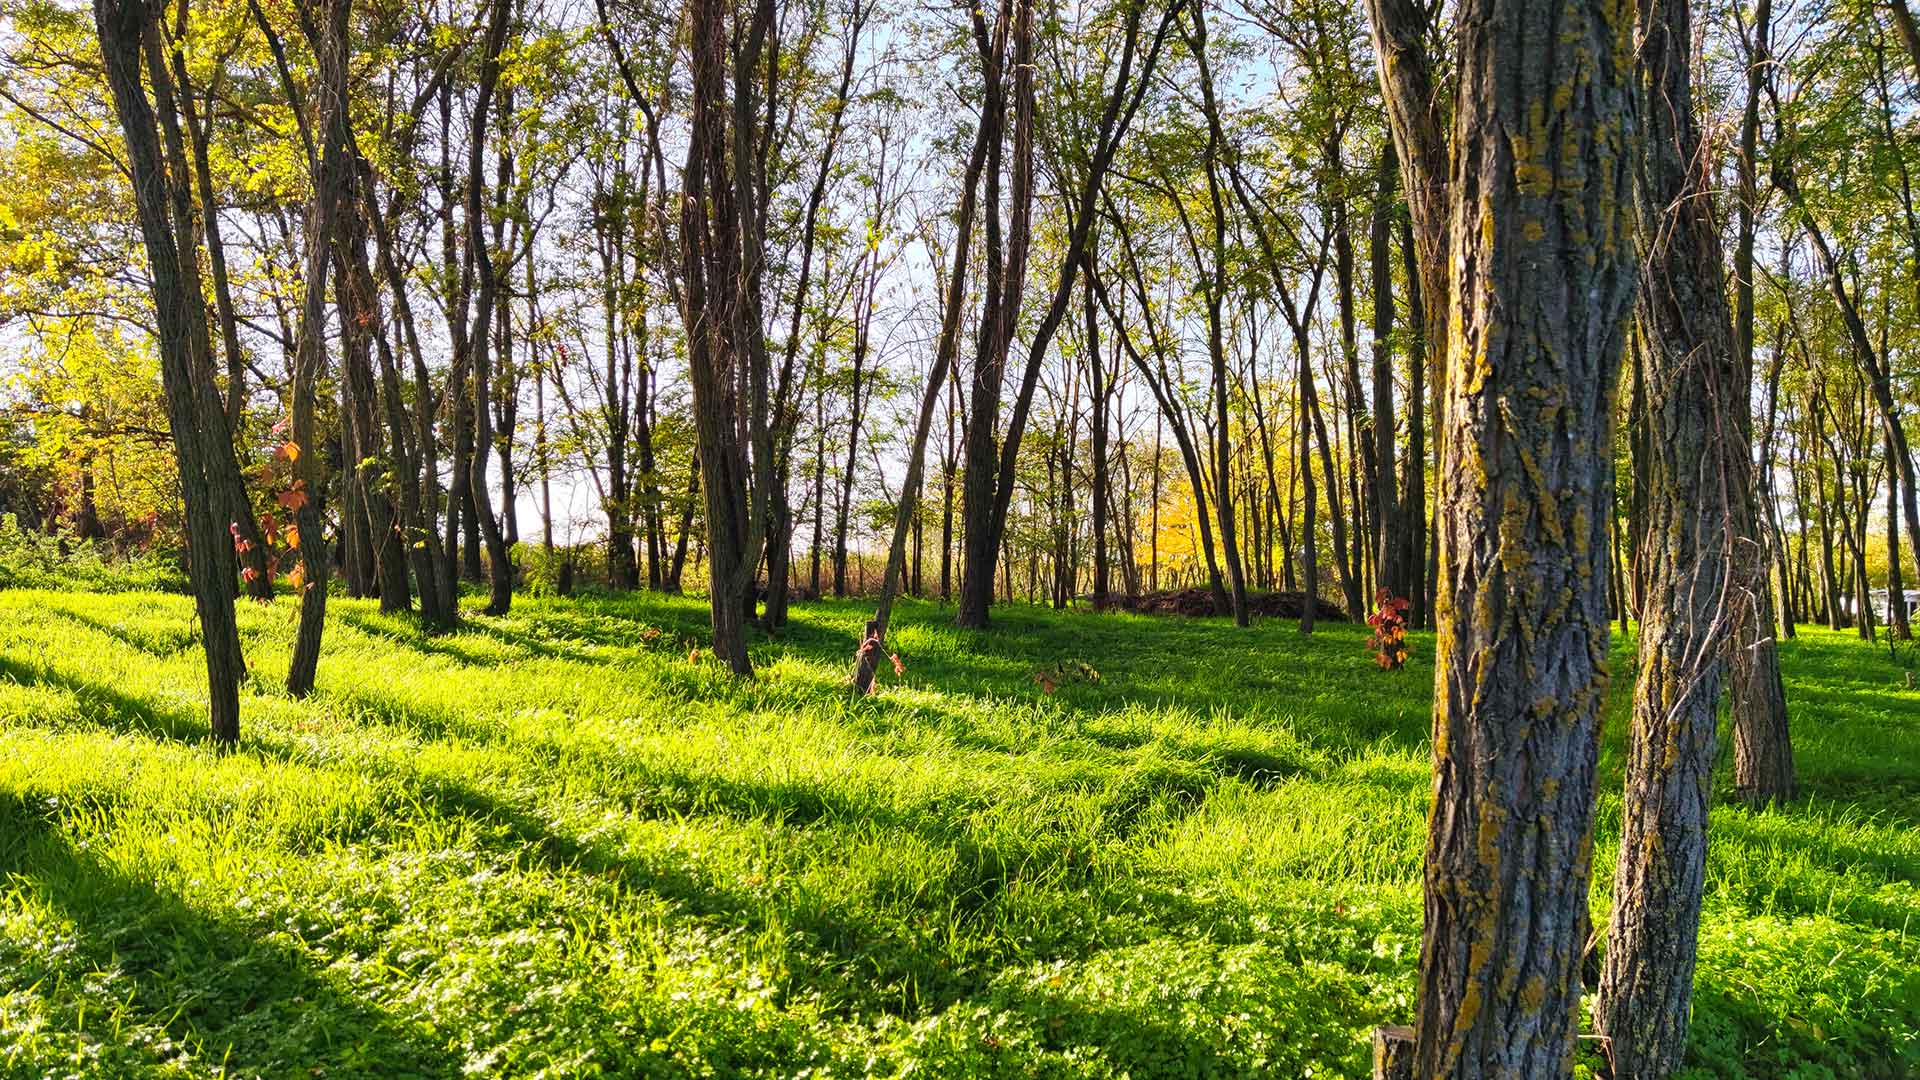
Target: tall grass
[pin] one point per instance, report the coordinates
(553, 844)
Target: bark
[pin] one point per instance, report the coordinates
(727, 358)
(255, 558)
(1121, 102)
(372, 468)
(1763, 751)
(330, 177)
(1417, 115)
(1897, 624)
(1360, 464)
(1303, 464)
(1909, 34)
(785, 411)
(229, 484)
(190, 402)
(617, 404)
(1419, 582)
(1701, 568)
(1543, 278)
(1099, 403)
(500, 565)
(1005, 284)
(457, 273)
(1389, 523)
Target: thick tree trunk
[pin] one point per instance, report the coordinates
(1703, 569)
(1543, 278)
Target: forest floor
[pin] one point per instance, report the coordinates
(552, 844)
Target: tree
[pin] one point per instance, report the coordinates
(331, 187)
(1541, 282)
(722, 244)
(1701, 570)
(989, 484)
(192, 400)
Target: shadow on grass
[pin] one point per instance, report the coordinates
(409, 633)
(258, 1006)
(912, 948)
(162, 646)
(107, 707)
(855, 962)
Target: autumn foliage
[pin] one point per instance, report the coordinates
(1389, 622)
(273, 529)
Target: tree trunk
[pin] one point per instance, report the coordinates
(1099, 402)
(1390, 524)
(1417, 114)
(1897, 624)
(1544, 275)
(1005, 272)
(330, 177)
(726, 350)
(1419, 582)
(175, 95)
(1703, 569)
(500, 565)
(189, 401)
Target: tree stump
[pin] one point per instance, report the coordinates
(1393, 1052)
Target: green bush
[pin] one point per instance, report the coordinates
(35, 560)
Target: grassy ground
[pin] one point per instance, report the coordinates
(553, 845)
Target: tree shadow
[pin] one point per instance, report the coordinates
(415, 636)
(158, 646)
(211, 982)
(899, 958)
(106, 707)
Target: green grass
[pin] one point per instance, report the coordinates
(552, 845)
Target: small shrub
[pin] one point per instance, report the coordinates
(1389, 622)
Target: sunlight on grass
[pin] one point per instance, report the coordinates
(551, 844)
